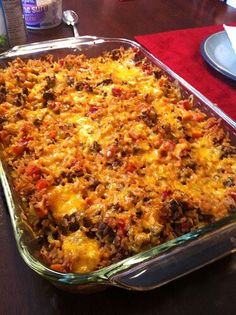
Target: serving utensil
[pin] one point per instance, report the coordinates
(70, 17)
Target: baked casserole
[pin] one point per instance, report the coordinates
(108, 158)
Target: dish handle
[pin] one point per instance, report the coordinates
(179, 261)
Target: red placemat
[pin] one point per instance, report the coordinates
(180, 50)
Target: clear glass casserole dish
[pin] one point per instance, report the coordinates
(149, 269)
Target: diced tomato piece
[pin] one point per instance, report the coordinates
(52, 134)
(42, 184)
(147, 68)
(121, 227)
(57, 267)
(93, 109)
(24, 130)
(61, 62)
(121, 223)
(185, 104)
(116, 92)
(89, 201)
(4, 135)
(130, 167)
(18, 149)
(135, 49)
(191, 115)
(162, 82)
(165, 194)
(32, 170)
(198, 116)
(25, 140)
(168, 145)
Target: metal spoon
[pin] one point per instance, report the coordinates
(70, 17)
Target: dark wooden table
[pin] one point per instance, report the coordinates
(210, 290)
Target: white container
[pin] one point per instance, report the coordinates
(15, 24)
(42, 14)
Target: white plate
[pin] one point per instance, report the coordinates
(218, 52)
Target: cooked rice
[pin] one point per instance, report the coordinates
(107, 157)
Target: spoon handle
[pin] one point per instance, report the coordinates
(76, 33)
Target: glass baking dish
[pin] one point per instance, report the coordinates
(149, 269)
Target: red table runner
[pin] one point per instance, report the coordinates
(180, 50)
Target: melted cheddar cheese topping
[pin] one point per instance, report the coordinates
(108, 158)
